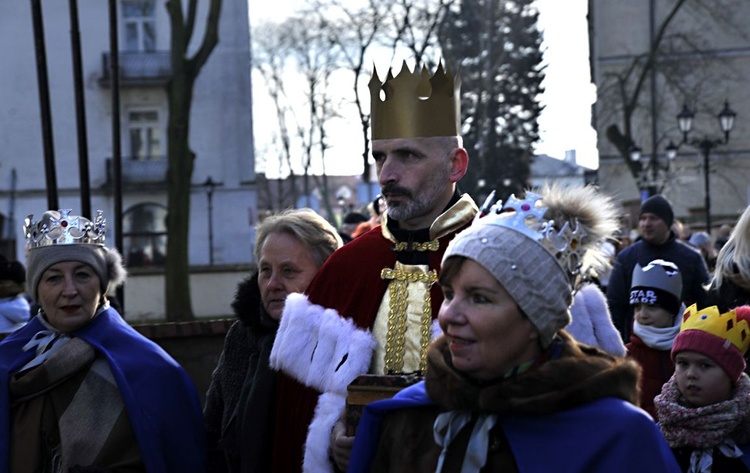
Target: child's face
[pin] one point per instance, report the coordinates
(700, 379)
(653, 316)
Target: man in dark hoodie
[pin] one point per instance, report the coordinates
(657, 242)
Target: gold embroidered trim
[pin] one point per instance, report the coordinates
(433, 245)
(396, 337)
(448, 222)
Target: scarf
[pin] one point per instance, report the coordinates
(704, 428)
(658, 338)
(80, 418)
(46, 342)
(449, 424)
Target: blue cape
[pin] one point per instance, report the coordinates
(162, 403)
(608, 436)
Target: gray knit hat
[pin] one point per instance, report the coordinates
(59, 236)
(534, 248)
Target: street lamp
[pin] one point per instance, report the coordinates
(653, 175)
(726, 122)
(210, 186)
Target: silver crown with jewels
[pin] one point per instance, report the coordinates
(527, 216)
(65, 230)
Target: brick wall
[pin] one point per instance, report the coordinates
(195, 345)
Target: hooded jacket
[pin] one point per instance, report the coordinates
(241, 398)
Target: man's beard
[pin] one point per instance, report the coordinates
(415, 205)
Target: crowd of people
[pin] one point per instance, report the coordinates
(532, 335)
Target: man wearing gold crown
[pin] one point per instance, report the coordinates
(370, 308)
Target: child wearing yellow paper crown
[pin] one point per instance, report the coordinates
(704, 409)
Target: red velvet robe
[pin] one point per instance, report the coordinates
(350, 283)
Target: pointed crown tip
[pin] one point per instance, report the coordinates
(416, 104)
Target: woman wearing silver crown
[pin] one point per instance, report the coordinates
(506, 389)
(81, 390)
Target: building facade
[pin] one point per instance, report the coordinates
(223, 198)
(703, 60)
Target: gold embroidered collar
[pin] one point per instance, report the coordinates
(458, 215)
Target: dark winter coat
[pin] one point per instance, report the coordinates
(241, 400)
(692, 269)
(733, 292)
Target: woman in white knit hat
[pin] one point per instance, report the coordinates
(81, 390)
(506, 388)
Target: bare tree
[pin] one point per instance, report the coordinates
(390, 25)
(417, 26)
(271, 52)
(300, 46)
(316, 60)
(355, 31)
(185, 70)
(627, 90)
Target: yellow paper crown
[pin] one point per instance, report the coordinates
(414, 104)
(724, 325)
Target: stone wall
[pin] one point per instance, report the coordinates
(194, 345)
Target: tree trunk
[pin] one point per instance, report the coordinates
(180, 157)
(179, 177)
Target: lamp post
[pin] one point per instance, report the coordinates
(653, 175)
(705, 145)
(210, 186)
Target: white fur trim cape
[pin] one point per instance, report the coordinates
(592, 322)
(321, 349)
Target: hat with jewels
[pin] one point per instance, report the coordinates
(59, 236)
(534, 247)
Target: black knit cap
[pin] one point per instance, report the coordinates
(354, 217)
(12, 271)
(659, 206)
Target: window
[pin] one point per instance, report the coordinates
(145, 235)
(139, 25)
(145, 135)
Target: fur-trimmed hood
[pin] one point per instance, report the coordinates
(248, 306)
(580, 374)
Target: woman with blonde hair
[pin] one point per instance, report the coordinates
(730, 286)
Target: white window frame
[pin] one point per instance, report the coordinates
(140, 23)
(143, 127)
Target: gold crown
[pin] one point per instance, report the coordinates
(61, 228)
(712, 321)
(415, 104)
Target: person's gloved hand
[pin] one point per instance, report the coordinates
(341, 446)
